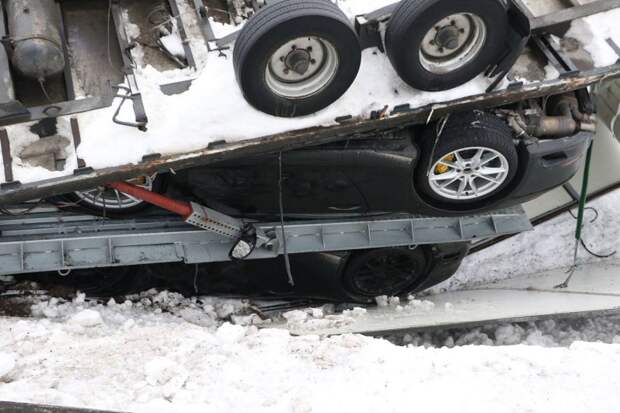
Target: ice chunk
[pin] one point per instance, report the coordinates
(230, 333)
(382, 300)
(87, 318)
(295, 316)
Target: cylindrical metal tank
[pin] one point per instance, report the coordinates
(34, 28)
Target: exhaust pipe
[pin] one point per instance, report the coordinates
(34, 30)
(568, 122)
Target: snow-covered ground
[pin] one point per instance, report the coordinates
(166, 353)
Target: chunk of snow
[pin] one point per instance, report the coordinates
(7, 364)
(295, 316)
(317, 313)
(80, 298)
(394, 301)
(356, 312)
(87, 318)
(230, 333)
(173, 44)
(382, 301)
(420, 305)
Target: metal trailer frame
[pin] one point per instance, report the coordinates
(13, 111)
(523, 26)
(59, 241)
(348, 126)
(368, 25)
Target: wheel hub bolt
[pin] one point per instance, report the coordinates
(448, 37)
(298, 61)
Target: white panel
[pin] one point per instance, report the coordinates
(605, 170)
(605, 162)
(595, 288)
(547, 202)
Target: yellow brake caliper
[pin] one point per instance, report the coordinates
(441, 169)
(140, 181)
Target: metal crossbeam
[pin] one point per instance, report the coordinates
(61, 242)
(561, 17)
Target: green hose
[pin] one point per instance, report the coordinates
(583, 199)
(584, 193)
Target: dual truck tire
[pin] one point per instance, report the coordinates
(296, 57)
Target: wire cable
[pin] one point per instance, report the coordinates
(44, 90)
(583, 242)
(287, 261)
(439, 128)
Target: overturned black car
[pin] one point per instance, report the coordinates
(473, 164)
(466, 164)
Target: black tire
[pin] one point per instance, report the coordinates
(387, 271)
(280, 23)
(159, 186)
(466, 130)
(413, 19)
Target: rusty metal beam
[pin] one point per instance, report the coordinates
(560, 18)
(7, 159)
(77, 139)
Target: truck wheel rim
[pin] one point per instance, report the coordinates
(452, 43)
(302, 67)
(113, 199)
(469, 173)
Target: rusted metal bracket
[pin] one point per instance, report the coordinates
(558, 22)
(7, 160)
(77, 140)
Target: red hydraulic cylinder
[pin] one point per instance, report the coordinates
(181, 208)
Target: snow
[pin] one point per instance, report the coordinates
(548, 247)
(594, 31)
(357, 7)
(211, 109)
(163, 364)
(174, 45)
(377, 86)
(161, 352)
(86, 318)
(7, 363)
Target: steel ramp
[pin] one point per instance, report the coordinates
(594, 290)
(50, 241)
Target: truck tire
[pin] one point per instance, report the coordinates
(473, 160)
(386, 271)
(111, 203)
(296, 57)
(440, 44)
